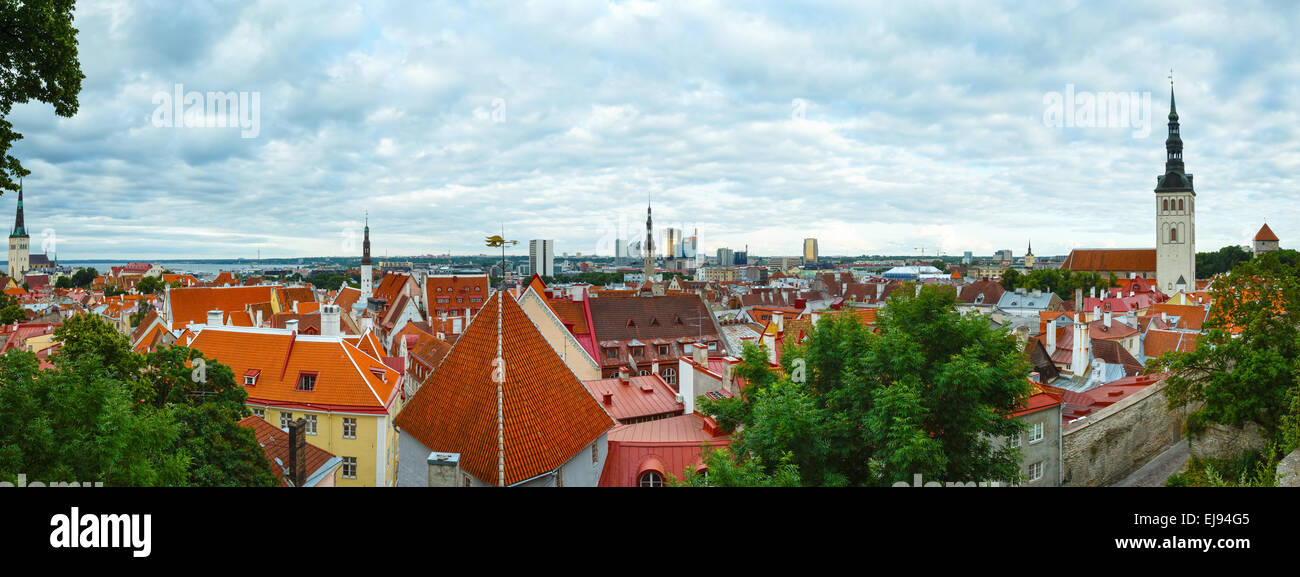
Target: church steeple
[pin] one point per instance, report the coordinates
(20, 229)
(1175, 177)
(365, 244)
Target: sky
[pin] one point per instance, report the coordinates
(877, 128)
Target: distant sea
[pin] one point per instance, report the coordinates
(198, 268)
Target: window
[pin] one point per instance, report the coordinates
(311, 424)
(644, 373)
(307, 382)
(349, 467)
(663, 350)
(651, 479)
(1036, 471)
(1173, 234)
(637, 352)
(1035, 432)
(285, 419)
(465, 480)
(595, 454)
(1165, 204)
(261, 413)
(349, 427)
(611, 354)
(1180, 204)
(670, 375)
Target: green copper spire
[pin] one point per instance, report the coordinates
(20, 230)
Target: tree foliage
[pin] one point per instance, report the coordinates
(1209, 264)
(38, 56)
(1245, 367)
(108, 414)
(929, 394)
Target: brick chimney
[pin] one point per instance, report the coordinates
(297, 474)
(444, 469)
(728, 374)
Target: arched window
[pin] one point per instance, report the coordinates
(644, 372)
(1165, 204)
(651, 479)
(1180, 204)
(670, 375)
(1173, 234)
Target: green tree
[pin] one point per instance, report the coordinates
(1209, 264)
(38, 54)
(64, 282)
(723, 470)
(12, 314)
(149, 285)
(84, 278)
(1010, 279)
(929, 394)
(1244, 368)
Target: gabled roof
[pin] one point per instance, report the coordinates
(347, 297)
(1190, 317)
(1159, 342)
(1114, 353)
(665, 446)
(346, 377)
(191, 305)
(548, 414)
(1110, 259)
(275, 443)
(1265, 234)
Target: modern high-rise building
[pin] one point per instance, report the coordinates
(672, 243)
(620, 251)
(726, 257)
(541, 257)
(810, 250)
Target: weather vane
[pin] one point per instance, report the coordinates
(498, 240)
(1171, 76)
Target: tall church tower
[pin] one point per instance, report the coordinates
(1175, 215)
(367, 276)
(648, 286)
(19, 244)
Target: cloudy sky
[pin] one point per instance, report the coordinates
(878, 129)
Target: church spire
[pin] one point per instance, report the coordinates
(20, 229)
(1175, 177)
(365, 243)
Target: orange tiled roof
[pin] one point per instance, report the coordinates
(192, 304)
(1265, 234)
(548, 414)
(1159, 342)
(275, 443)
(346, 377)
(1191, 317)
(1111, 259)
(347, 297)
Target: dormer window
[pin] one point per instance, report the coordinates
(307, 381)
(250, 377)
(381, 374)
(654, 322)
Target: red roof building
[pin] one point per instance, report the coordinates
(649, 453)
(321, 464)
(635, 399)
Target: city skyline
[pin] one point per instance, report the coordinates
(798, 128)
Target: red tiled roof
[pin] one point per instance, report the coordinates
(347, 297)
(1159, 342)
(458, 291)
(1265, 234)
(192, 304)
(548, 415)
(1111, 259)
(275, 443)
(1097, 330)
(1190, 317)
(642, 396)
(666, 446)
(345, 376)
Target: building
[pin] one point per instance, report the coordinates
(672, 243)
(321, 466)
(620, 251)
(20, 258)
(1040, 444)
(649, 335)
(726, 257)
(367, 274)
(525, 420)
(1121, 262)
(1029, 256)
(810, 250)
(341, 385)
(455, 295)
(1265, 240)
(541, 257)
(1175, 215)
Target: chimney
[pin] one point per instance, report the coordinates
(329, 320)
(1078, 300)
(214, 318)
(1038, 293)
(1051, 337)
(624, 375)
(728, 374)
(1093, 292)
(700, 354)
(816, 316)
(607, 397)
(297, 474)
(258, 317)
(1034, 376)
(292, 325)
(778, 317)
(1096, 312)
(1106, 322)
(455, 325)
(1079, 359)
(577, 293)
(444, 469)
(880, 290)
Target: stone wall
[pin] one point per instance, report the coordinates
(1220, 441)
(1288, 470)
(1117, 440)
